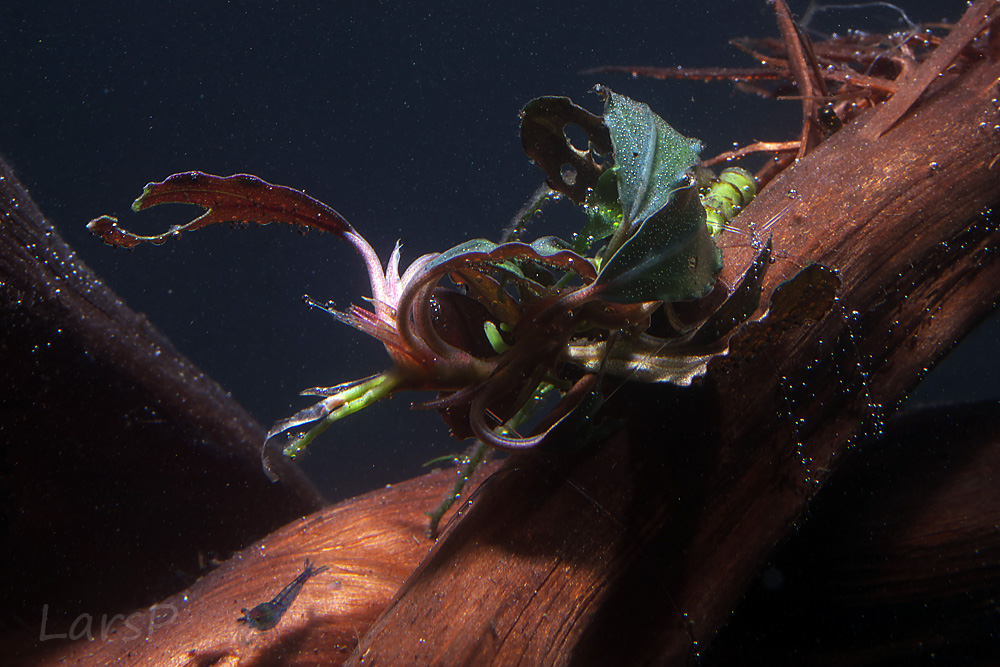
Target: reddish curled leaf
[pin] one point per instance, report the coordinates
(478, 255)
(236, 198)
(489, 292)
(479, 410)
(548, 250)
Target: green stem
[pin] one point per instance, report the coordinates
(473, 457)
(354, 399)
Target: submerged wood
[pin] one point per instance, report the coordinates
(637, 552)
(928, 486)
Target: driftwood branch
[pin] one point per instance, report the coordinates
(368, 544)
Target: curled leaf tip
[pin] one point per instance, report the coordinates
(108, 230)
(237, 198)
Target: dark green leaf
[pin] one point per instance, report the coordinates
(670, 258)
(808, 295)
(652, 157)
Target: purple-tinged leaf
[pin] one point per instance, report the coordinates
(237, 198)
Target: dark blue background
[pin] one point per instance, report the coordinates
(402, 117)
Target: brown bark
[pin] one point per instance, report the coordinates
(639, 554)
(906, 538)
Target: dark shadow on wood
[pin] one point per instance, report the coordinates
(122, 465)
(897, 560)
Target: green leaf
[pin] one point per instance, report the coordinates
(652, 157)
(671, 257)
(604, 212)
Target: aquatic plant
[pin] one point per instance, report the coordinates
(523, 318)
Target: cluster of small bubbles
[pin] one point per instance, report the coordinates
(878, 418)
(792, 193)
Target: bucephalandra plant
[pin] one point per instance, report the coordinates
(519, 318)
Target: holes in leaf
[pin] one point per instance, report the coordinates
(568, 174)
(577, 137)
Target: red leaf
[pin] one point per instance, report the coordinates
(237, 198)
